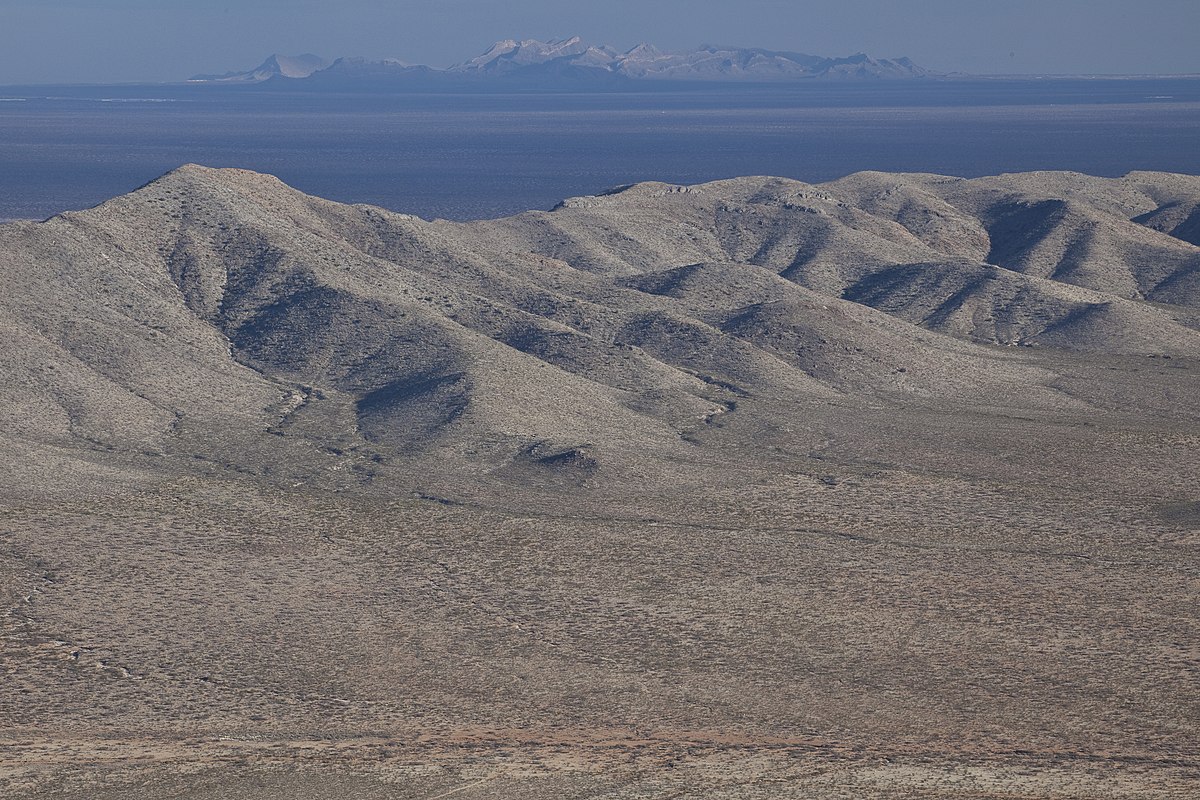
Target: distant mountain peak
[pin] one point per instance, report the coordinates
(643, 50)
(275, 65)
(523, 53)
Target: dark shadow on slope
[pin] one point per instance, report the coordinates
(1171, 219)
(665, 283)
(410, 414)
(1016, 228)
(981, 303)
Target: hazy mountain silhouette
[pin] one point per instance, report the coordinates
(531, 63)
(276, 66)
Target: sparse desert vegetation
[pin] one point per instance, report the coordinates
(878, 488)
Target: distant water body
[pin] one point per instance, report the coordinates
(472, 156)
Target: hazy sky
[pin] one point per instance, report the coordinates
(161, 40)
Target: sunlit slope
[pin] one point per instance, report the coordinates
(219, 319)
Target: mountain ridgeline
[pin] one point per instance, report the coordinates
(657, 334)
(567, 63)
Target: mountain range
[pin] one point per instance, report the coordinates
(572, 61)
(603, 336)
(882, 487)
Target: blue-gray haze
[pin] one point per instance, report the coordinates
(62, 41)
(464, 156)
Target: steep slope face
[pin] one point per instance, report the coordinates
(916, 206)
(220, 318)
(1176, 201)
(855, 349)
(1082, 242)
(370, 357)
(926, 248)
(100, 349)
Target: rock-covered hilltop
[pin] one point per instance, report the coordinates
(533, 63)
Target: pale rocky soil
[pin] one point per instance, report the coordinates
(880, 488)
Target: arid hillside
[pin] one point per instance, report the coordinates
(878, 488)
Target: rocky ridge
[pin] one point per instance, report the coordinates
(614, 333)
